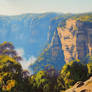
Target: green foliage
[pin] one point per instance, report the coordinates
(60, 83)
(73, 72)
(11, 79)
(43, 82)
(7, 48)
(14, 79)
(83, 17)
(89, 65)
(9, 71)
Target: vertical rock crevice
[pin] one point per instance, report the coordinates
(76, 39)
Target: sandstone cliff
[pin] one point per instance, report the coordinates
(76, 39)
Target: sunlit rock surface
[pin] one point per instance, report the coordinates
(76, 39)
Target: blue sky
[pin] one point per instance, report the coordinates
(13, 7)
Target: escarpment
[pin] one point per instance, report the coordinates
(51, 56)
(76, 39)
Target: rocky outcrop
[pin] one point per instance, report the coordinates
(52, 56)
(76, 39)
(82, 86)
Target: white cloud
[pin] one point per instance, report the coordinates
(25, 62)
(20, 52)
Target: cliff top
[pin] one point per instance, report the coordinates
(83, 17)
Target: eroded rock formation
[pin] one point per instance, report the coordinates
(76, 39)
(51, 56)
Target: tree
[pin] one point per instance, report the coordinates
(43, 82)
(89, 65)
(11, 76)
(7, 48)
(73, 72)
(10, 72)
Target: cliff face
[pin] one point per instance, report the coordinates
(51, 56)
(26, 31)
(76, 39)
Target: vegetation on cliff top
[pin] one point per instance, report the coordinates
(83, 17)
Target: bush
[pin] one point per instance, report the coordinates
(43, 82)
(11, 79)
(89, 65)
(73, 72)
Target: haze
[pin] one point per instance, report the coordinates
(14, 7)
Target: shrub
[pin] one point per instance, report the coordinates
(73, 72)
(89, 65)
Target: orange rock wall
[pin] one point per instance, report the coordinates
(76, 39)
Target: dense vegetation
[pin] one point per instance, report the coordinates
(14, 79)
(83, 17)
(12, 76)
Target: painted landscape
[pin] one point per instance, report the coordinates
(46, 52)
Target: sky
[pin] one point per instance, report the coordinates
(14, 7)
